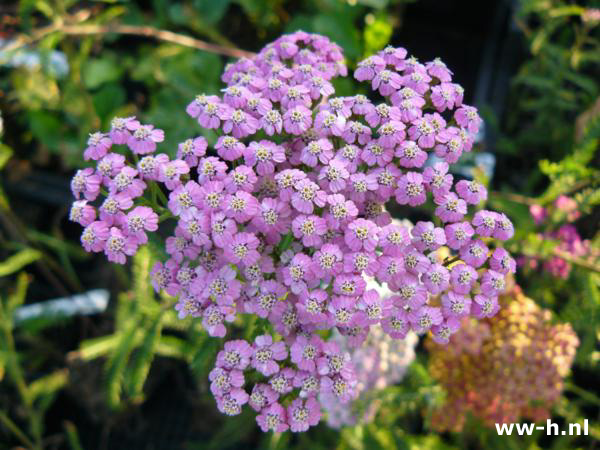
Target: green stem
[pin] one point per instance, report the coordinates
(164, 216)
(16, 430)
(586, 395)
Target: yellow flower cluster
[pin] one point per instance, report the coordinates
(504, 368)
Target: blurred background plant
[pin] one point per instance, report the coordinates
(130, 374)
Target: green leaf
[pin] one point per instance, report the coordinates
(18, 261)
(211, 11)
(143, 359)
(5, 154)
(108, 99)
(117, 363)
(377, 34)
(17, 298)
(48, 385)
(99, 71)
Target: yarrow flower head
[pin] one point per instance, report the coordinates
(504, 368)
(280, 214)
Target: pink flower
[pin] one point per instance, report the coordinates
(82, 213)
(118, 246)
(305, 351)
(303, 414)
(144, 139)
(86, 182)
(471, 191)
(266, 353)
(229, 148)
(411, 189)
(264, 155)
(242, 249)
(297, 120)
(361, 234)
(140, 219)
(121, 128)
(273, 417)
(94, 236)
(98, 145)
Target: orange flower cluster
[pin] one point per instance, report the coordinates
(504, 368)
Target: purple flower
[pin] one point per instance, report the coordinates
(191, 150)
(121, 128)
(387, 82)
(369, 68)
(269, 293)
(140, 219)
(458, 234)
(474, 253)
(242, 249)
(312, 307)
(396, 323)
(374, 307)
(82, 213)
(442, 332)
(492, 283)
(241, 178)
(272, 122)
(410, 154)
(229, 148)
(310, 229)
(438, 179)
(436, 279)
(504, 228)
(456, 305)
(94, 236)
(86, 182)
(273, 417)
(463, 277)
(98, 146)
(240, 124)
(307, 196)
(144, 139)
(485, 222)
(235, 355)
(296, 273)
(471, 191)
(241, 206)
(411, 189)
(126, 181)
(264, 155)
(297, 120)
(502, 262)
(305, 351)
(334, 176)
(317, 151)
(303, 414)
(232, 402)
(341, 211)
(224, 381)
(427, 237)
(467, 117)
(219, 285)
(213, 318)
(361, 234)
(485, 306)
(262, 396)
(282, 381)
(266, 353)
(451, 208)
(424, 318)
(118, 246)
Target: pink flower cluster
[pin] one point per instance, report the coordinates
(567, 236)
(283, 215)
(505, 368)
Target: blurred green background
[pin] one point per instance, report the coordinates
(134, 376)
